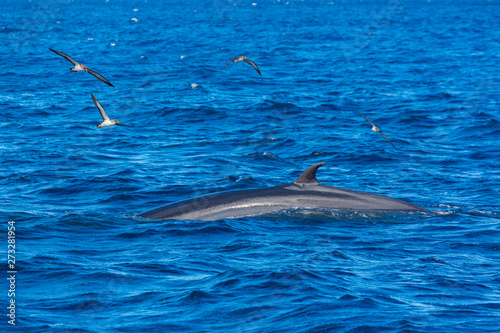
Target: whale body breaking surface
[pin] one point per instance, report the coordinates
(304, 193)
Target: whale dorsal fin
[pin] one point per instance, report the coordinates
(309, 176)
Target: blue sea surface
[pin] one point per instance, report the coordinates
(426, 72)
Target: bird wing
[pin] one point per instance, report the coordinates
(253, 65)
(120, 124)
(73, 61)
(228, 63)
(365, 118)
(100, 77)
(103, 113)
(387, 139)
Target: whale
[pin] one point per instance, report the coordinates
(306, 192)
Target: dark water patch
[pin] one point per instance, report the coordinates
(137, 234)
(369, 329)
(146, 297)
(198, 296)
(324, 328)
(347, 297)
(493, 306)
(204, 231)
(152, 324)
(433, 260)
(228, 284)
(340, 255)
(84, 305)
(240, 246)
(483, 234)
(121, 197)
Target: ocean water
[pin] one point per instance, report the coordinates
(426, 72)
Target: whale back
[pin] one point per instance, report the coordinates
(304, 192)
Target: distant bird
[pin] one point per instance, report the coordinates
(79, 67)
(376, 129)
(106, 121)
(243, 58)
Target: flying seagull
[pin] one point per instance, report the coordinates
(105, 118)
(79, 67)
(243, 58)
(376, 129)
